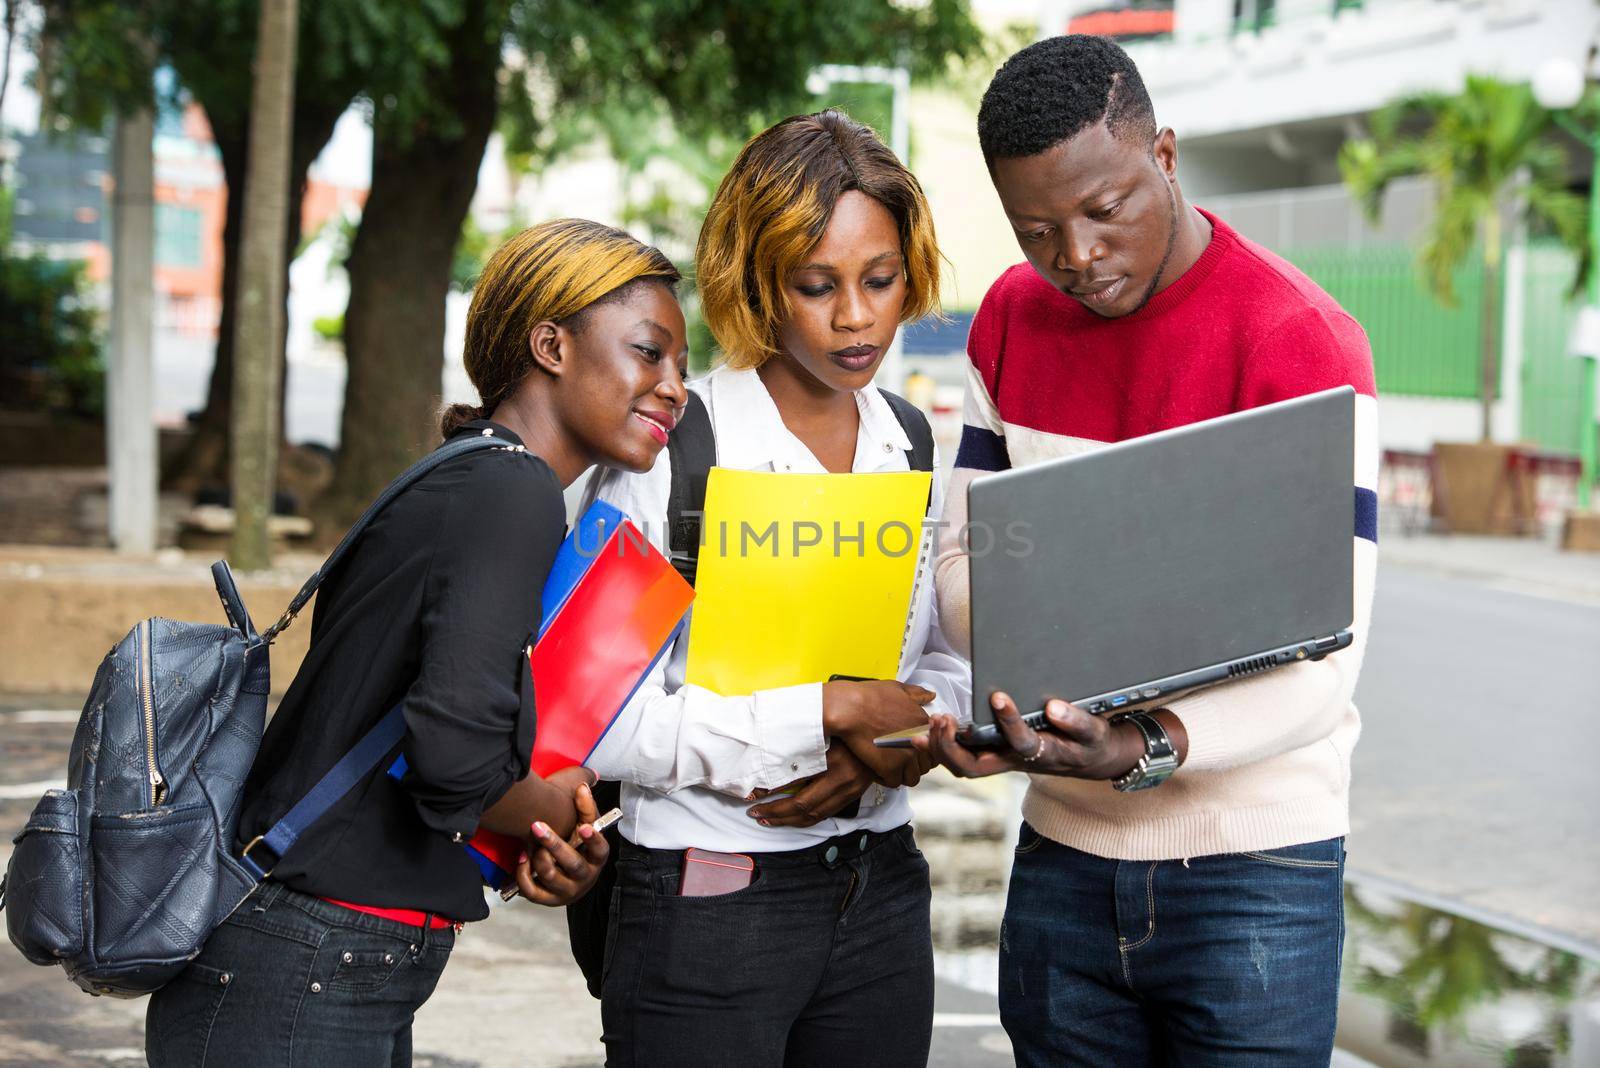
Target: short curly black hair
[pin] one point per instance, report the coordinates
(1058, 87)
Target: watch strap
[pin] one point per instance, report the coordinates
(1160, 757)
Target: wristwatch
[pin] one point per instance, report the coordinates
(1160, 759)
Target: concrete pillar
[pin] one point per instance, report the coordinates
(892, 372)
(130, 420)
(1507, 415)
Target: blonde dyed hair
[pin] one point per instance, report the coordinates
(554, 271)
(771, 210)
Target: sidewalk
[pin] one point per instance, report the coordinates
(1530, 566)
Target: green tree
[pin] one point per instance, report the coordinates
(50, 346)
(87, 73)
(715, 66)
(439, 75)
(1486, 150)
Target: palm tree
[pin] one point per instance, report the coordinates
(1483, 148)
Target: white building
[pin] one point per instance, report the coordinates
(1268, 108)
(1262, 94)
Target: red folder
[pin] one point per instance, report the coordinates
(590, 658)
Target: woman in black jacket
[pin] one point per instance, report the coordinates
(576, 344)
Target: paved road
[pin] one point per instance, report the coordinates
(1476, 777)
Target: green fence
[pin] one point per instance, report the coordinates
(1419, 346)
(1552, 379)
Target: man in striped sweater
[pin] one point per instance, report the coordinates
(1199, 922)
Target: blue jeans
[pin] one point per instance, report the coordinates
(290, 980)
(1228, 960)
(825, 959)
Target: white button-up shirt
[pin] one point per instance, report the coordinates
(687, 757)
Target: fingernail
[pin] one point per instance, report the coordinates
(1057, 707)
(751, 813)
(522, 858)
(997, 701)
(764, 823)
(541, 830)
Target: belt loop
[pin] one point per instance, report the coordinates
(427, 925)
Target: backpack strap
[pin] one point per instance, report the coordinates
(443, 454)
(915, 424)
(367, 754)
(692, 450)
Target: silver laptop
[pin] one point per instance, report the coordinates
(1191, 556)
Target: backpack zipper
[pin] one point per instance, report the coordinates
(148, 701)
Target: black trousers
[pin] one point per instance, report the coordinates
(824, 959)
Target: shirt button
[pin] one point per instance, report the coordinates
(831, 855)
(888, 447)
(795, 766)
(863, 846)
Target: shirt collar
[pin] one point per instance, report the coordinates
(750, 430)
(478, 426)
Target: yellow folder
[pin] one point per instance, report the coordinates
(804, 576)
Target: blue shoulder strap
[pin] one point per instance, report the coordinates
(378, 742)
(368, 753)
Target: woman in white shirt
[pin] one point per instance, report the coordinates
(817, 246)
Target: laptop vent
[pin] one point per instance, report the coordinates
(1250, 667)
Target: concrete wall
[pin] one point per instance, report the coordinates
(66, 608)
(973, 233)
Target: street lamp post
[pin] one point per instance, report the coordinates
(1559, 85)
(892, 372)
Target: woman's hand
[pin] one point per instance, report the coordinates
(857, 712)
(818, 797)
(552, 872)
(545, 800)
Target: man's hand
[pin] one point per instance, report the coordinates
(1077, 744)
(552, 872)
(821, 796)
(857, 712)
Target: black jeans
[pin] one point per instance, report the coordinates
(290, 980)
(824, 959)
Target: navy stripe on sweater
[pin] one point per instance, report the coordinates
(1367, 514)
(982, 450)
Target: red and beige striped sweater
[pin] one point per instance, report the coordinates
(1269, 756)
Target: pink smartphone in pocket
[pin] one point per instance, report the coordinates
(706, 873)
